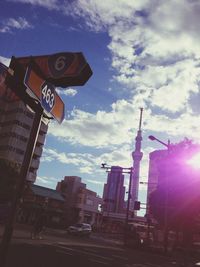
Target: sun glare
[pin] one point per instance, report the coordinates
(195, 161)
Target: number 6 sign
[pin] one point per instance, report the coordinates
(61, 69)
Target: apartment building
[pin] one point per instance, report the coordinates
(89, 205)
(81, 204)
(15, 126)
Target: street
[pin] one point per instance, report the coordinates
(62, 250)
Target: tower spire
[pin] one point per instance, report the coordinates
(140, 123)
(137, 156)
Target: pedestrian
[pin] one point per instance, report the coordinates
(39, 225)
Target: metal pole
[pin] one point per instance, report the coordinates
(7, 235)
(166, 205)
(128, 207)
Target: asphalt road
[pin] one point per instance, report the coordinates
(60, 254)
(59, 250)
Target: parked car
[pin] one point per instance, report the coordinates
(82, 229)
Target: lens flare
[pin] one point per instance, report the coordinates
(195, 161)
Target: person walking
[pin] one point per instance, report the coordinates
(39, 225)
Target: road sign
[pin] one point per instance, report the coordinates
(61, 69)
(48, 96)
(45, 93)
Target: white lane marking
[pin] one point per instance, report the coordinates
(142, 265)
(84, 252)
(62, 251)
(120, 257)
(151, 265)
(100, 262)
(66, 248)
(89, 250)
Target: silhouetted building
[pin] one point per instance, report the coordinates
(114, 191)
(37, 199)
(153, 176)
(15, 125)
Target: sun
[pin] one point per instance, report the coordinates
(195, 161)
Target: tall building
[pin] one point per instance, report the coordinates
(137, 156)
(15, 126)
(153, 176)
(114, 191)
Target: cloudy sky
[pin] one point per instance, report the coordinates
(143, 53)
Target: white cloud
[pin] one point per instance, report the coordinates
(70, 158)
(100, 129)
(45, 181)
(99, 15)
(90, 163)
(50, 4)
(5, 61)
(95, 182)
(11, 23)
(67, 92)
(158, 62)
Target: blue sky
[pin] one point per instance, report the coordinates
(143, 53)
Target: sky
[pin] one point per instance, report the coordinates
(143, 53)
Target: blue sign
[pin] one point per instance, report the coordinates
(47, 96)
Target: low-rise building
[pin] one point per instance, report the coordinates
(81, 204)
(36, 199)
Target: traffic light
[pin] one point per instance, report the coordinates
(137, 205)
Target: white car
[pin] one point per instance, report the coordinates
(82, 229)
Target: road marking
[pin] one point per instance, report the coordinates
(135, 265)
(120, 257)
(90, 250)
(84, 252)
(66, 248)
(142, 265)
(62, 251)
(100, 262)
(151, 265)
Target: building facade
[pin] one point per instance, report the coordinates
(37, 199)
(15, 126)
(81, 204)
(114, 191)
(155, 158)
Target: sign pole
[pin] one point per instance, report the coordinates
(7, 235)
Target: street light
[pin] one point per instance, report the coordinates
(129, 171)
(153, 138)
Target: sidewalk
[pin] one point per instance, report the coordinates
(23, 231)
